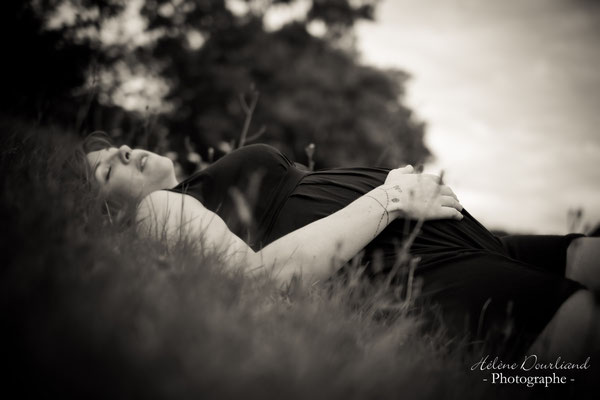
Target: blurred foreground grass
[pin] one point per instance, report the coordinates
(90, 310)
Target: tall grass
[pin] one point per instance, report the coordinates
(91, 310)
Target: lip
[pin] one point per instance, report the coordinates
(142, 162)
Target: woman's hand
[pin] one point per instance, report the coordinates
(415, 196)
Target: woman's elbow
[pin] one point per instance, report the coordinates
(309, 270)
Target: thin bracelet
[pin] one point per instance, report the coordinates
(380, 219)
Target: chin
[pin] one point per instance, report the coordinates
(160, 166)
(168, 164)
(155, 163)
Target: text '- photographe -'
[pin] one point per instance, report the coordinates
(530, 371)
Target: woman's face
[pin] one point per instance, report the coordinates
(126, 174)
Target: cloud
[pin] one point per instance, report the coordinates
(510, 93)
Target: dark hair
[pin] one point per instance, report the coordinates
(116, 211)
(97, 140)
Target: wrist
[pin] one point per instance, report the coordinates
(388, 197)
(397, 201)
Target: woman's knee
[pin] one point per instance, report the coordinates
(583, 261)
(574, 330)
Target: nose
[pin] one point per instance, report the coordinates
(125, 153)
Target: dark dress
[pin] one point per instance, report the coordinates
(473, 280)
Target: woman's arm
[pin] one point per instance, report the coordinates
(314, 251)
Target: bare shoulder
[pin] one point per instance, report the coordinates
(171, 216)
(164, 211)
(164, 201)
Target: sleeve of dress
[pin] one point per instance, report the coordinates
(548, 252)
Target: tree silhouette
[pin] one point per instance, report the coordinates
(44, 66)
(311, 88)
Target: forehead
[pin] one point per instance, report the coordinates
(95, 157)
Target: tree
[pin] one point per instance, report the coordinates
(310, 89)
(44, 65)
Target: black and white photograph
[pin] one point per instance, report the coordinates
(300, 199)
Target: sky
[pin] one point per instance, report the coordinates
(510, 93)
(509, 90)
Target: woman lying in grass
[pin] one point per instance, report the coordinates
(262, 213)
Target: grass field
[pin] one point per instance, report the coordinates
(90, 310)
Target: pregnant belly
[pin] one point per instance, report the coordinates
(322, 193)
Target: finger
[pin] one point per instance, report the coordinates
(447, 191)
(449, 213)
(434, 178)
(409, 169)
(449, 201)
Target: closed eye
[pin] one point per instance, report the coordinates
(107, 177)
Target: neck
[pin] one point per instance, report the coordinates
(172, 182)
